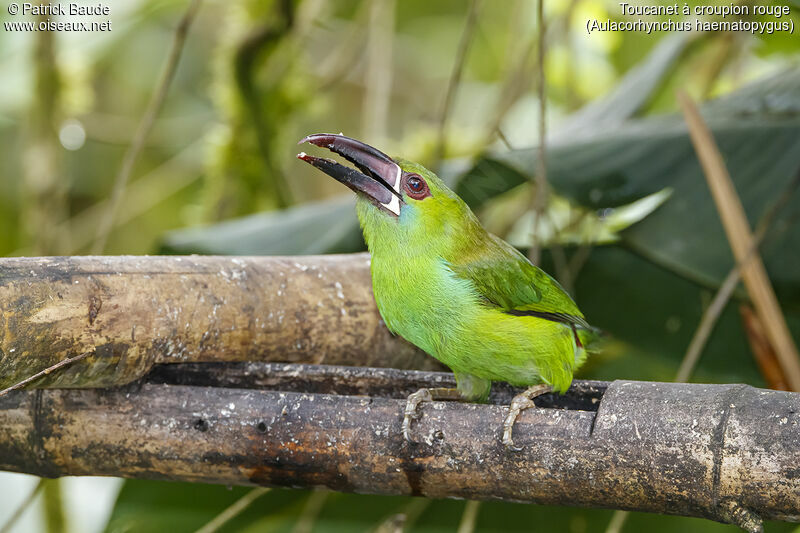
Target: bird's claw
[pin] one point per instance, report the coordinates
(519, 403)
(411, 413)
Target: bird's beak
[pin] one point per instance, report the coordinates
(379, 178)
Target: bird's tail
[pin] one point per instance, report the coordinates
(592, 339)
(587, 340)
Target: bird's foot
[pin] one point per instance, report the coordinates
(411, 413)
(423, 395)
(519, 403)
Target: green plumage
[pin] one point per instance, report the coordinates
(467, 297)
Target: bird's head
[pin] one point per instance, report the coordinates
(398, 199)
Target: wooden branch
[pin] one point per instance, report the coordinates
(133, 312)
(723, 452)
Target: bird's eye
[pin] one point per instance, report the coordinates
(416, 187)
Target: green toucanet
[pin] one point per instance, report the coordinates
(458, 292)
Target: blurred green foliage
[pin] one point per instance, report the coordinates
(218, 175)
(164, 506)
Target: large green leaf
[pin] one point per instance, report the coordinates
(758, 132)
(324, 227)
(654, 314)
(493, 175)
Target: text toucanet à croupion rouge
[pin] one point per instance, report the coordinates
(733, 18)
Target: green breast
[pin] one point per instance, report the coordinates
(443, 315)
(420, 300)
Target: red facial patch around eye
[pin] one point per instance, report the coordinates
(415, 186)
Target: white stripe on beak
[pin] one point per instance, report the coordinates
(394, 204)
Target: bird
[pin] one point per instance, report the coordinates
(458, 292)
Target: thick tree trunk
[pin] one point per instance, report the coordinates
(724, 452)
(133, 312)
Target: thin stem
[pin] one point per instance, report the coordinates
(455, 77)
(233, 510)
(414, 510)
(581, 255)
(404, 520)
(708, 321)
(49, 369)
(144, 128)
(557, 252)
(20, 510)
(514, 87)
(570, 83)
(617, 521)
(470, 517)
(310, 512)
(504, 139)
(53, 504)
(728, 44)
(150, 189)
(339, 62)
(540, 191)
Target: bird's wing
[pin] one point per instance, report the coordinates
(506, 279)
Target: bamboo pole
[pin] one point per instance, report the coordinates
(134, 312)
(723, 452)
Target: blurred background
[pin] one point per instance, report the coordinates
(94, 160)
